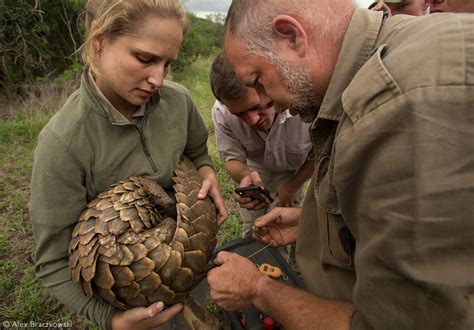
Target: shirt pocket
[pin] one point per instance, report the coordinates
(255, 151)
(296, 154)
(337, 243)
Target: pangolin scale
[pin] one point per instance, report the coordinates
(124, 250)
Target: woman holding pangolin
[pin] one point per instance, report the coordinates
(124, 120)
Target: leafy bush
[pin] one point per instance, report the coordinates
(204, 36)
(37, 38)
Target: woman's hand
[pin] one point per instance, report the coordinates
(143, 318)
(210, 186)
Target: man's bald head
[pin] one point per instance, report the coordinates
(251, 21)
(287, 50)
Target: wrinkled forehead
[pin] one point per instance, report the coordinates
(234, 51)
(250, 101)
(243, 62)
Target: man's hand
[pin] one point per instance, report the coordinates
(278, 227)
(287, 196)
(252, 178)
(210, 186)
(233, 284)
(143, 318)
(381, 5)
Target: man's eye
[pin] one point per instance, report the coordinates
(259, 86)
(144, 60)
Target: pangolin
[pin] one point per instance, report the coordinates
(128, 253)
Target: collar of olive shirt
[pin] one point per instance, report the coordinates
(357, 47)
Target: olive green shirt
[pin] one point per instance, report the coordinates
(89, 145)
(391, 203)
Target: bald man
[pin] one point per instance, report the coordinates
(384, 239)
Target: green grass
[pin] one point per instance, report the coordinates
(6, 267)
(22, 128)
(22, 298)
(196, 79)
(32, 302)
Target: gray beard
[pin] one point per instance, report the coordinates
(302, 99)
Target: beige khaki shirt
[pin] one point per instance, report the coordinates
(391, 203)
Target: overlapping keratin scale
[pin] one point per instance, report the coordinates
(130, 255)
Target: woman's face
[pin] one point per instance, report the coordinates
(132, 67)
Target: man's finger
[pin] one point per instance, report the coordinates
(242, 200)
(222, 257)
(256, 178)
(270, 217)
(251, 204)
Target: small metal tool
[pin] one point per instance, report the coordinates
(258, 251)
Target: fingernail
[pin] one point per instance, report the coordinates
(159, 305)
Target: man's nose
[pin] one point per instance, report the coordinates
(253, 116)
(265, 101)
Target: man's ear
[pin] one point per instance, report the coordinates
(290, 33)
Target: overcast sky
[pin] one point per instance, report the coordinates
(223, 5)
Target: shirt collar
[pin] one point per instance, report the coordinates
(282, 117)
(140, 112)
(357, 46)
(96, 97)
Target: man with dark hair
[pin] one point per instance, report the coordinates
(452, 6)
(397, 7)
(258, 145)
(385, 235)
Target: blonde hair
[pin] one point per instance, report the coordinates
(115, 18)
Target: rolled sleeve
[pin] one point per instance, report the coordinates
(228, 145)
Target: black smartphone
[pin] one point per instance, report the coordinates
(255, 192)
